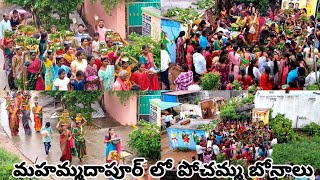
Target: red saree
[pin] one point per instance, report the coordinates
(34, 75)
(65, 147)
(142, 79)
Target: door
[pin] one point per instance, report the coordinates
(134, 14)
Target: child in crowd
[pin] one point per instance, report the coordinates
(62, 83)
(79, 82)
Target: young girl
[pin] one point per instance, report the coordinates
(62, 83)
(79, 82)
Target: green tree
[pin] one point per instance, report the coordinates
(110, 4)
(77, 101)
(282, 128)
(43, 10)
(145, 140)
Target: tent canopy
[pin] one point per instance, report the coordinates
(167, 105)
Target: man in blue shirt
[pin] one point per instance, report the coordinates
(293, 74)
(5, 25)
(47, 130)
(80, 32)
(218, 138)
(203, 42)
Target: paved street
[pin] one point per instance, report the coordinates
(32, 146)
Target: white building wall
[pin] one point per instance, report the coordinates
(302, 107)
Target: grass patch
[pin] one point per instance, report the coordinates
(303, 152)
(6, 164)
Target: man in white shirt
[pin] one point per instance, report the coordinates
(199, 150)
(165, 61)
(199, 62)
(311, 78)
(5, 25)
(195, 85)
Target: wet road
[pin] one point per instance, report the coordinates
(3, 77)
(32, 146)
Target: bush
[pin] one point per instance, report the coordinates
(303, 152)
(312, 128)
(221, 158)
(210, 81)
(6, 164)
(282, 128)
(248, 100)
(146, 140)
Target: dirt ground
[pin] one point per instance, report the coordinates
(167, 152)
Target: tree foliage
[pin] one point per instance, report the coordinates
(229, 110)
(110, 4)
(134, 48)
(77, 101)
(125, 95)
(145, 140)
(282, 128)
(210, 81)
(46, 9)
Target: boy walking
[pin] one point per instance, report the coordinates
(46, 132)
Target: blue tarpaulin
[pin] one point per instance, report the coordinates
(167, 105)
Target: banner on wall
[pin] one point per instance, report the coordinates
(310, 5)
(185, 138)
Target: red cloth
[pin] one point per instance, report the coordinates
(141, 79)
(154, 82)
(98, 63)
(208, 56)
(246, 81)
(66, 152)
(265, 83)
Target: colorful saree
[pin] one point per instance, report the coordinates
(80, 142)
(25, 122)
(37, 111)
(65, 146)
(142, 79)
(13, 121)
(34, 77)
(154, 80)
(49, 75)
(18, 62)
(70, 127)
(8, 53)
(112, 147)
(107, 77)
(19, 101)
(91, 73)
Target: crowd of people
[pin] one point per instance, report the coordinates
(19, 110)
(71, 132)
(269, 51)
(250, 141)
(74, 61)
